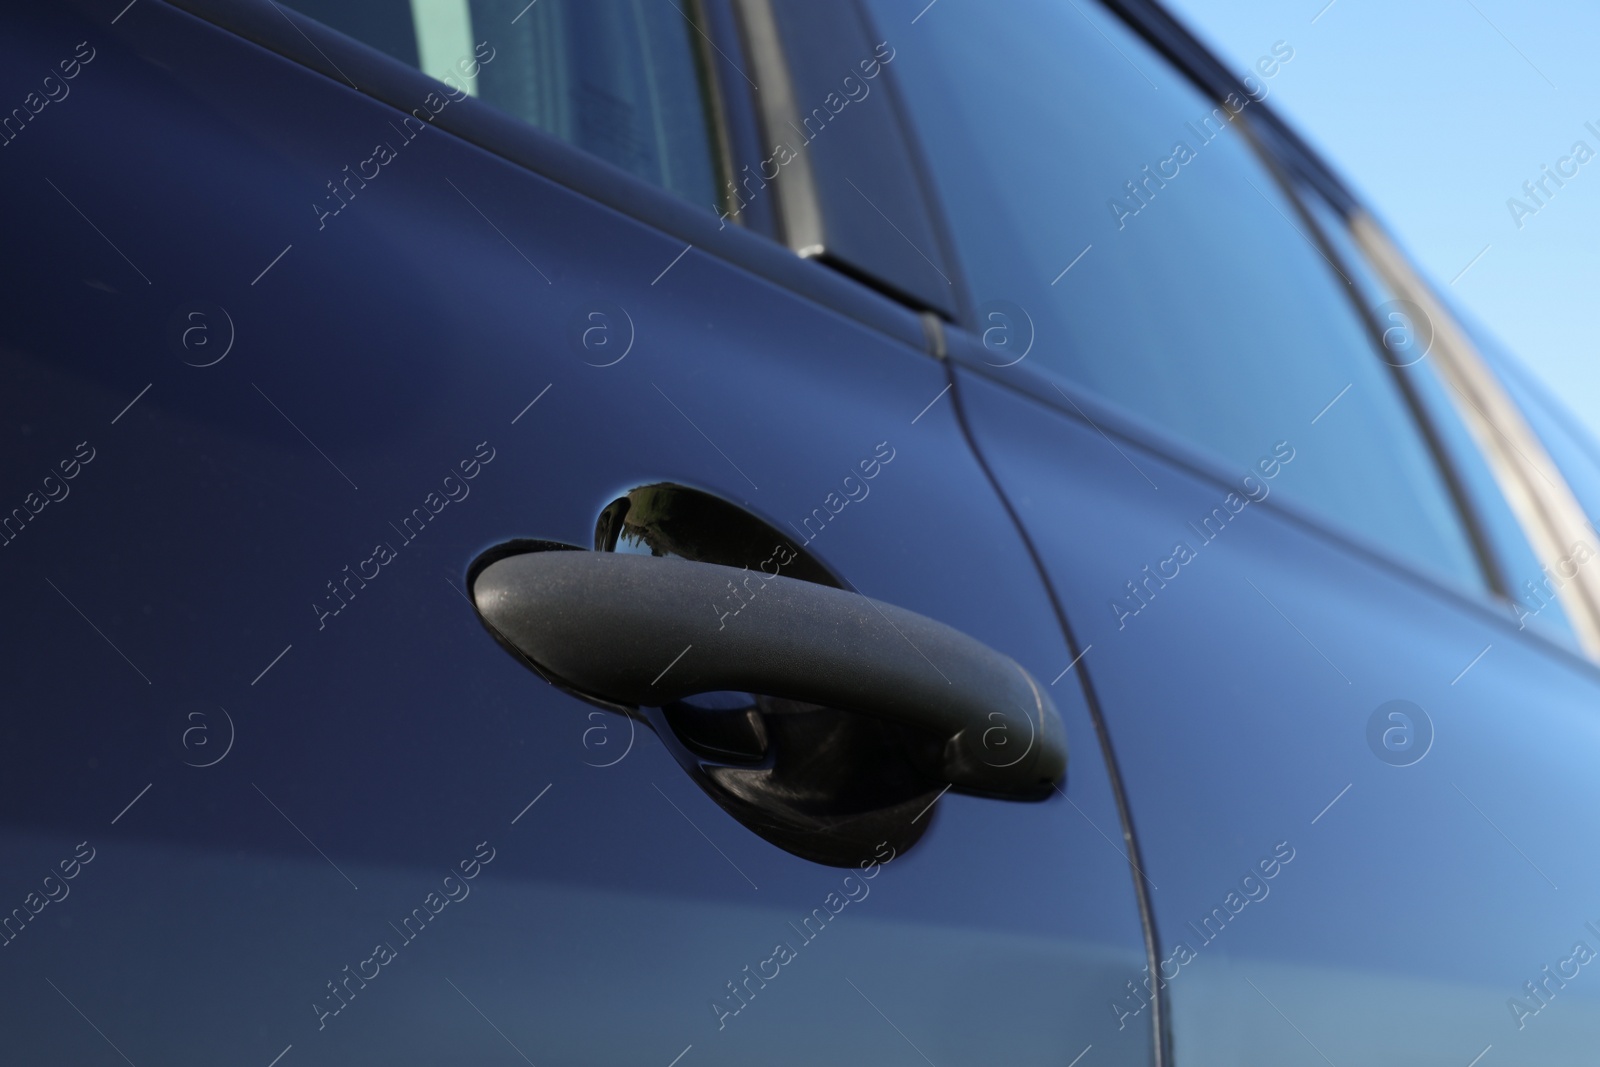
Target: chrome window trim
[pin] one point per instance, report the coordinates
(795, 186)
(1533, 485)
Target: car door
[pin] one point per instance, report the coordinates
(295, 336)
(1359, 781)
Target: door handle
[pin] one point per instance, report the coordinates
(648, 631)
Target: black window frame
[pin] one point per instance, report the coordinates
(757, 247)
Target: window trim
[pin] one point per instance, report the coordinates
(800, 222)
(1286, 157)
(1491, 564)
(718, 121)
(356, 67)
(817, 219)
(1544, 504)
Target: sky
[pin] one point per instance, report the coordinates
(1436, 112)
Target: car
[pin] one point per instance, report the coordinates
(742, 531)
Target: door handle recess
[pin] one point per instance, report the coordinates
(647, 631)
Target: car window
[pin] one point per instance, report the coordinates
(1410, 338)
(1163, 266)
(624, 81)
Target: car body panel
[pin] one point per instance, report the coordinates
(275, 762)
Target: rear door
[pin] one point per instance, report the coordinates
(1360, 784)
(287, 349)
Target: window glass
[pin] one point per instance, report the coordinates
(1409, 338)
(619, 78)
(1162, 264)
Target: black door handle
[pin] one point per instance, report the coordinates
(647, 631)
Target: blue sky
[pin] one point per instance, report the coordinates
(1437, 111)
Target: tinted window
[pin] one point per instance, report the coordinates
(620, 80)
(1409, 335)
(1161, 262)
